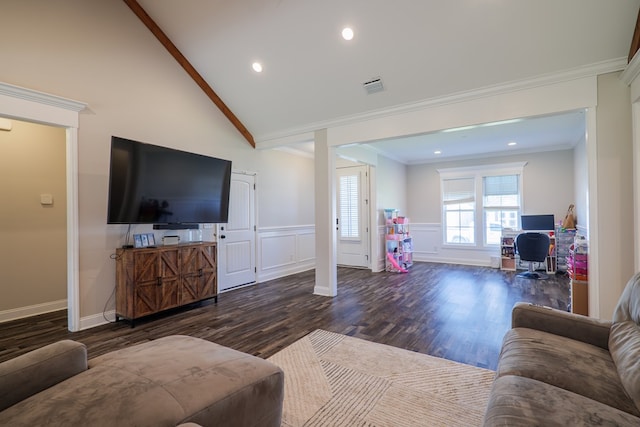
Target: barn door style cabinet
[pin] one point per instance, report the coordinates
(151, 280)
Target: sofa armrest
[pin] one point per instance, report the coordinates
(40, 369)
(562, 323)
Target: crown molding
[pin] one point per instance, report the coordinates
(591, 70)
(631, 71)
(41, 98)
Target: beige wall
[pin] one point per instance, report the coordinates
(615, 192)
(285, 197)
(99, 53)
(392, 190)
(33, 268)
(547, 184)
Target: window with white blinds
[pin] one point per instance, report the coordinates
(349, 206)
(501, 205)
(479, 201)
(458, 202)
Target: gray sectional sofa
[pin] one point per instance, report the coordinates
(166, 382)
(563, 369)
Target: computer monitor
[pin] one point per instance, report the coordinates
(538, 222)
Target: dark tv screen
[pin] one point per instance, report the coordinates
(149, 184)
(537, 222)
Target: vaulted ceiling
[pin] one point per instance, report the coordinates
(420, 49)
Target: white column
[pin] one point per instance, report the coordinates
(592, 214)
(325, 213)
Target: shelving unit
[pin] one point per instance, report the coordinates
(578, 271)
(508, 256)
(399, 245)
(564, 240)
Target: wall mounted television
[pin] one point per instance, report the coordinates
(538, 222)
(169, 188)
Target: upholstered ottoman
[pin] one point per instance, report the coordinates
(166, 382)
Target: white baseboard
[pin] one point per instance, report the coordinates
(283, 271)
(458, 261)
(97, 319)
(32, 310)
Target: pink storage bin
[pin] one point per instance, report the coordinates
(581, 257)
(580, 264)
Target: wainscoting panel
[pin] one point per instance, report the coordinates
(285, 250)
(426, 239)
(428, 247)
(382, 249)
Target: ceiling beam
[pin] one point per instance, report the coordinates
(635, 41)
(200, 81)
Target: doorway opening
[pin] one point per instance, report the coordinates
(32, 106)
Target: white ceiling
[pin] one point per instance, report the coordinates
(534, 134)
(422, 50)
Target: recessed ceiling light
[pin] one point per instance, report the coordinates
(437, 152)
(257, 67)
(460, 128)
(512, 143)
(503, 122)
(347, 33)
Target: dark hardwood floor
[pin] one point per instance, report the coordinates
(457, 312)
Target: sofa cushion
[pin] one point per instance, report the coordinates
(624, 344)
(628, 307)
(519, 401)
(164, 382)
(40, 369)
(572, 365)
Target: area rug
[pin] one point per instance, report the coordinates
(336, 380)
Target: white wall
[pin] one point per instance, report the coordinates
(284, 181)
(391, 193)
(101, 54)
(581, 185)
(615, 220)
(547, 184)
(392, 186)
(286, 227)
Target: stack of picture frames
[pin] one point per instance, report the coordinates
(144, 240)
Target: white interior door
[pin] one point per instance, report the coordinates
(237, 238)
(353, 216)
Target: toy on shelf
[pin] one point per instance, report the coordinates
(395, 264)
(399, 246)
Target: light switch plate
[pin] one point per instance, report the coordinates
(46, 199)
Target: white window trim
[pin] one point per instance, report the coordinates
(478, 172)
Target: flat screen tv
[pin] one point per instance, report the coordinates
(149, 184)
(538, 222)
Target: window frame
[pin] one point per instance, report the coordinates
(478, 173)
(350, 223)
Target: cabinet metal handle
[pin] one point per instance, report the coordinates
(159, 280)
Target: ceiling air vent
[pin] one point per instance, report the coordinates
(373, 85)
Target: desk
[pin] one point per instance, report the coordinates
(509, 259)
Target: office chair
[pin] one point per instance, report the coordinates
(532, 247)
